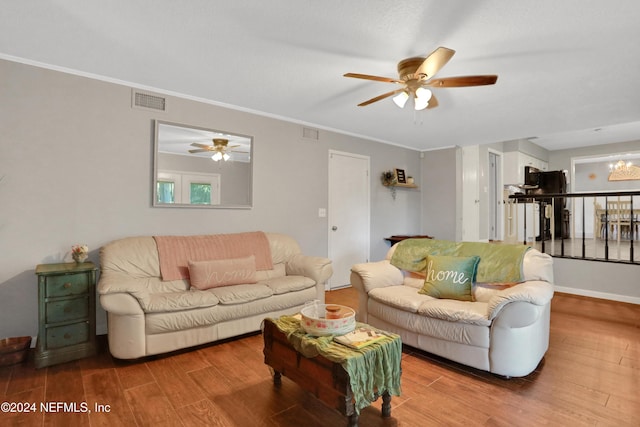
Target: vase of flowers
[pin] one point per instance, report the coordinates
(79, 253)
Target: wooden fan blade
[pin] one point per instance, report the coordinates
(433, 102)
(195, 144)
(375, 78)
(379, 97)
(201, 150)
(463, 81)
(435, 61)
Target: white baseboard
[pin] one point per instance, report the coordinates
(596, 294)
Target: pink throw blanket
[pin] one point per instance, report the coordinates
(175, 252)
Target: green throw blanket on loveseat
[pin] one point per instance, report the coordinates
(499, 263)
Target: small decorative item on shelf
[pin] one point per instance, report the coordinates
(79, 253)
(410, 180)
(389, 179)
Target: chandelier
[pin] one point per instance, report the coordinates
(622, 171)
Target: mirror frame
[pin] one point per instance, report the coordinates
(156, 146)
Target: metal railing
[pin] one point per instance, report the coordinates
(563, 222)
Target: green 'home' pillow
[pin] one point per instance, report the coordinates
(450, 277)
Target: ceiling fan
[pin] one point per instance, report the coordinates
(220, 149)
(416, 76)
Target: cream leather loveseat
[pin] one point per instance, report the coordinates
(148, 315)
(503, 328)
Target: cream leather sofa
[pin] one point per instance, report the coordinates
(147, 315)
(504, 331)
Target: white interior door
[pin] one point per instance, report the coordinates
(349, 214)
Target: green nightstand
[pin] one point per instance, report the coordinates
(66, 312)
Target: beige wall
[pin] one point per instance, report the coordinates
(440, 189)
(76, 167)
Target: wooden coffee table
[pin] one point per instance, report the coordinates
(325, 379)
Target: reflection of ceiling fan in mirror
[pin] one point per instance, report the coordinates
(416, 76)
(220, 149)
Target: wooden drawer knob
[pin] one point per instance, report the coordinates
(67, 336)
(67, 285)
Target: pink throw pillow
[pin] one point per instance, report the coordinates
(222, 272)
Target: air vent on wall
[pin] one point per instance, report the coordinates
(148, 101)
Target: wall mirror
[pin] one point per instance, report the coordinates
(201, 168)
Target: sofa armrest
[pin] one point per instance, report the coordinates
(371, 275)
(118, 281)
(536, 292)
(122, 304)
(317, 268)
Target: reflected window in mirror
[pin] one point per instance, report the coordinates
(200, 167)
(165, 192)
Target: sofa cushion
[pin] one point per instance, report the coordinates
(456, 311)
(222, 272)
(537, 266)
(282, 285)
(176, 301)
(414, 281)
(277, 271)
(135, 256)
(403, 297)
(483, 292)
(415, 323)
(450, 277)
(240, 294)
(212, 317)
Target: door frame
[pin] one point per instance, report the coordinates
(330, 206)
(499, 207)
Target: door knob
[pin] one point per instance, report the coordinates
(334, 228)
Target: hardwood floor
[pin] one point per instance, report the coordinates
(590, 376)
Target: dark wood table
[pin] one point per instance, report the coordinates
(327, 380)
(395, 239)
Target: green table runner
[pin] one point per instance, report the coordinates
(372, 370)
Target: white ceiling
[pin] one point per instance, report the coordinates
(177, 140)
(565, 67)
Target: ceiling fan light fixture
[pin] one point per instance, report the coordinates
(217, 156)
(422, 97)
(401, 99)
(417, 72)
(226, 157)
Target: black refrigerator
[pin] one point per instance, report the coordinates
(549, 182)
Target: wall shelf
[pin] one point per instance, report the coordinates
(393, 187)
(401, 185)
